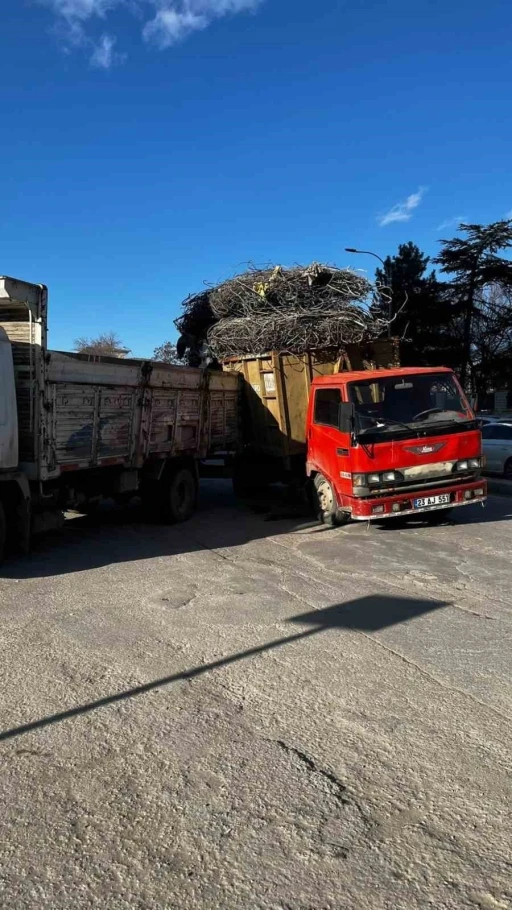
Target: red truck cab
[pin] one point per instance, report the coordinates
(392, 442)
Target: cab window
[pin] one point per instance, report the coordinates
(327, 404)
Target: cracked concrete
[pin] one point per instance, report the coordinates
(311, 765)
(265, 716)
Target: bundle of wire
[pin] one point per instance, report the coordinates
(279, 309)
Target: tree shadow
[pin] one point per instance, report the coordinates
(365, 614)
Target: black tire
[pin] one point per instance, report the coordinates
(325, 504)
(179, 496)
(507, 471)
(3, 532)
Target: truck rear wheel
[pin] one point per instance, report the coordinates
(179, 497)
(326, 505)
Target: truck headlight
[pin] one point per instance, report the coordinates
(364, 480)
(467, 464)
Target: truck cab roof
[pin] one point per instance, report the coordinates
(365, 375)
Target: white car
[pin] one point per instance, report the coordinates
(486, 419)
(497, 445)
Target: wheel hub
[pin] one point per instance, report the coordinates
(325, 497)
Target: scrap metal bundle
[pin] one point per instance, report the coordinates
(296, 291)
(293, 333)
(294, 310)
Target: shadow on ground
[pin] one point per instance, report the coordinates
(115, 536)
(495, 509)
(365, 614)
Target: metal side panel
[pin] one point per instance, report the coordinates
(224, 420)
(93, 425)
(172, 377)
(67, 369)
(188, 423)
(73, 423)
(219, 380)
(116, 420)
(162, 423)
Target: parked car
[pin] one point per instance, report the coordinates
(497, 446)
(486, 419)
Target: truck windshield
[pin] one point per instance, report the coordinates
(416, 401)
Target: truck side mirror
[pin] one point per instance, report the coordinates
(346, 417)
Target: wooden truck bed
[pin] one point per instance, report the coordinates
(107, 413)
(76, 413)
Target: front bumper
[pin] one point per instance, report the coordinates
(461, 494)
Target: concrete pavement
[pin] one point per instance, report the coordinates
(240, 713)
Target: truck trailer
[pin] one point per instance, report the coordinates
(74, 429)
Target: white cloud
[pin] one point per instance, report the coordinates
(170, 26)
(402, 211)
(508, 214)
(176, 19)
(72, 16)
(451, 222)
(167, 21)
(104, 56)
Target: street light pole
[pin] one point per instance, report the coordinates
(351, 249)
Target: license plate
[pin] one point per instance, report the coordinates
(427, 501)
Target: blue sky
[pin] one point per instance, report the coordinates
(149, 145)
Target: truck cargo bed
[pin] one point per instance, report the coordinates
(276, 390)
(123, 413)
(76, 412)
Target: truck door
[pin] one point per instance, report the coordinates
(326, 443)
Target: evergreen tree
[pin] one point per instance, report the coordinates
(420, 309)
(476, 267)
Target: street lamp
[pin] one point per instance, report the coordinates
(351, 249)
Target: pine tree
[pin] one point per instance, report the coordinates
(475, 265)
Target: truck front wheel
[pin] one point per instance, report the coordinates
(326, 505)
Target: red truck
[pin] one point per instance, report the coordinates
(390, 443)
(375, 442)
